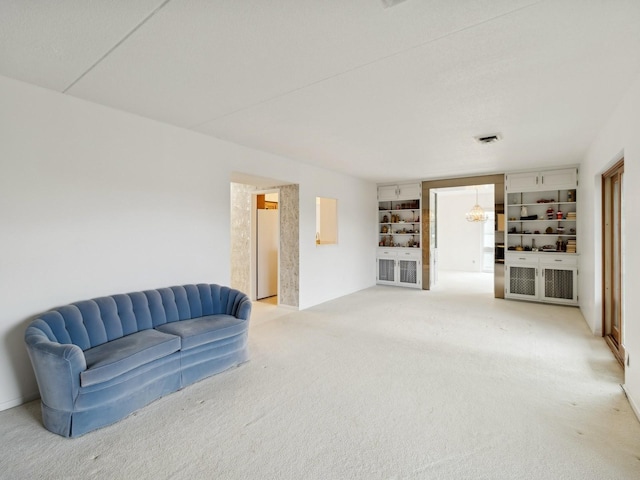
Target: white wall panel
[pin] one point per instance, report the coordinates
(94, 202)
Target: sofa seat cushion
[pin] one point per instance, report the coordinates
(111, 359)
(207, 329)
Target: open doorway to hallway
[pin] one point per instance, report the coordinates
(244, 191)
(464, 243)
(267, 246)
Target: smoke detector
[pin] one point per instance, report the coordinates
(490, 138)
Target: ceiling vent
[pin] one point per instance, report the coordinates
(491, 138)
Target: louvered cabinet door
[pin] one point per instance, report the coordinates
(522, 282)
(558, 284)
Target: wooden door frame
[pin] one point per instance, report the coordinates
(498, 184)
(607, 212)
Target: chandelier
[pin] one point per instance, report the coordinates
(477, 214)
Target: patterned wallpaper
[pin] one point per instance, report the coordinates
(241, 236)
(289, 205)
(289, 244)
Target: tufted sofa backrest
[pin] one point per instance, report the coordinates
(90, 323)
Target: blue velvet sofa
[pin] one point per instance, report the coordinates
(97, 361)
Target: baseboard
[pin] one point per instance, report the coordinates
(18, 401)
(634, 407)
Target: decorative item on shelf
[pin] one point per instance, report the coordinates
(536, 232)
(477, 214)
(559, 214)
(385, 229)
(560, 229)
(533, 245)
(550, 213)
(385, 219)
(549, 230)
(519, 248)
(523, 212)
(571, 196)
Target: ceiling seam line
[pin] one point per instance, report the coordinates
(372, 62)
(120, 42)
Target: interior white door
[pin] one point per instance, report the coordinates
(267, 239)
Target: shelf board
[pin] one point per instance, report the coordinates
(539, 204)
(398, 209)
(542, 234)
(549, 220)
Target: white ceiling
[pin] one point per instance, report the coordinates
(381, 93)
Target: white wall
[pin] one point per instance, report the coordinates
(94, 201)
(341, 263)
(460, 243)
(619, 137)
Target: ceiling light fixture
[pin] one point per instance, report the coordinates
(477, 214)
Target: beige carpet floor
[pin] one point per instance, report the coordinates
(387, 383)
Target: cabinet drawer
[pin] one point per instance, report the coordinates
(414, 254)
(520, 258)
(550, 259)
(387, 252)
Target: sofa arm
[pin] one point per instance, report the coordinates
(244, 309)
(57, 368)
(238, 304)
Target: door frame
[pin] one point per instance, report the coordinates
(253, 290)
(498, 184)
(609, 268)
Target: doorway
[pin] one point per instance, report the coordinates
(612, 255)
(430, 227)
(463, 245)
(267, 234)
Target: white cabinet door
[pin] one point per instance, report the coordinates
(522, 182)
(559, 179)
(410, 191)
(388, 192)
(564, 179)
(558, 284)
(409, 269)
(386, 267)
(522, 281)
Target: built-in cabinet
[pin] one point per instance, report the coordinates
(544, 278)
(400, 192)
(562, 179)
(399, 267)
(399, 256)
(541, 236)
